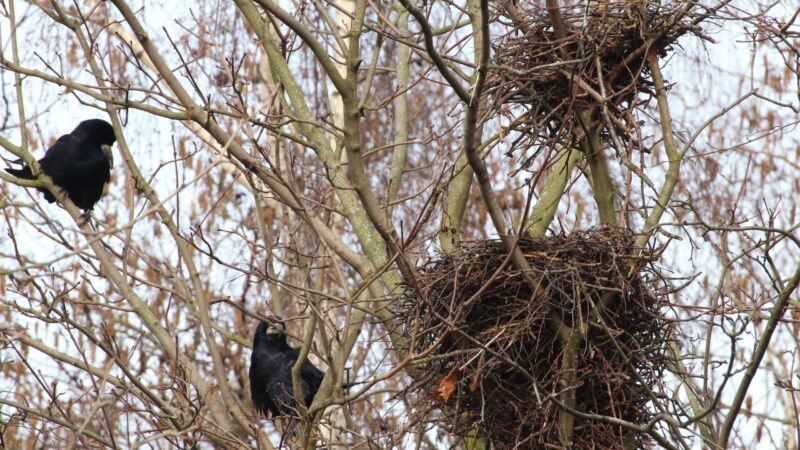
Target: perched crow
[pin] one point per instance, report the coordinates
(79, 162)
(271, 372)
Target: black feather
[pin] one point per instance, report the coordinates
(77, 163)
(271, 387)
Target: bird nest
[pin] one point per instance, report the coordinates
(491, 358)
(540, 81)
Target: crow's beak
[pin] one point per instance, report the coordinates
(109, 154)
(275, 325)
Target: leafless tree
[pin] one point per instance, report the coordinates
(304, 159)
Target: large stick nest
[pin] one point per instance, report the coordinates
(492, 358)
(540, 81)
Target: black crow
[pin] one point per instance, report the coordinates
(79, 162)
(271, 372)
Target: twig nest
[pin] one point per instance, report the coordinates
(539, 80)
(494, 360)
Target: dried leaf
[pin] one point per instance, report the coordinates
(447, 385)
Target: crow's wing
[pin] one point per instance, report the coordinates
(67, 147)
(61, 150)
(312, 375)
(266, 366)
(311, 378)
(279, 385)
(71, 159)
(308, 372)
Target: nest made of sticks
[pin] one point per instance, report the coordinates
(494, 359)
(540, 81)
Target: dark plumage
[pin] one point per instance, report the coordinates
(79, 162)
(271, 372)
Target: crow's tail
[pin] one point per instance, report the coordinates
(24, 173)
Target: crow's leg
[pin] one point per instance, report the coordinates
(85, 218)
